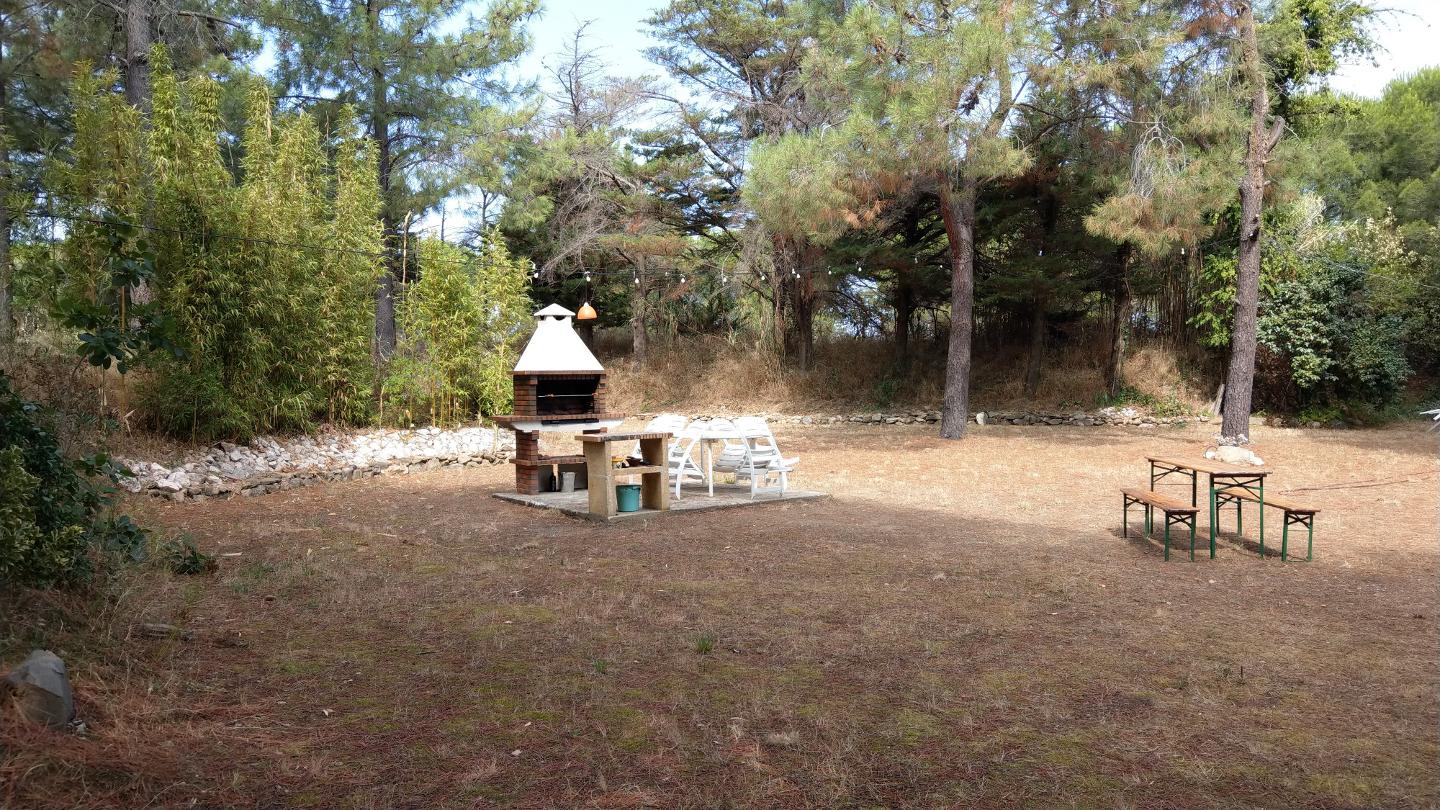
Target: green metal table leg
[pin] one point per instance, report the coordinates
(1212, 522)
(1239, 511)
(1310, 541)
(1125, 520)
(1262, 518)
(1285, 540)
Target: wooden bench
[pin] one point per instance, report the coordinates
(1176, 511)
(1295, 515)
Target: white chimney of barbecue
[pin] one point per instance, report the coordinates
(556, 346)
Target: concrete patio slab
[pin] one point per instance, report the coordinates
(692, 499)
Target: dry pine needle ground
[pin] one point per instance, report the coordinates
(961, 625)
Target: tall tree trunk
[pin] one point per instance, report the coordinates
(137, 22)
(7, 316)
(904, 302)
(1037, 345)
(1240, 379)
(778, 289)
(957, 208)
(1119, 319)
(1049, 207)
(389, 217)
(803, 307)
(639, 336)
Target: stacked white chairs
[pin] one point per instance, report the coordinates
(677, 452)
(757, 458)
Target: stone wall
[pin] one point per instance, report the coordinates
(1127, 416)
(269, 464)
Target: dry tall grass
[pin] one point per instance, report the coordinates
(125, 692)
(711, 372)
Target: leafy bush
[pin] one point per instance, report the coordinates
(51, 515)
(1339, 327)
(885, 390)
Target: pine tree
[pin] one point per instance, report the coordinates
(929, 92)
(748, 58)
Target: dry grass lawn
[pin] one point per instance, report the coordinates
(961, 625)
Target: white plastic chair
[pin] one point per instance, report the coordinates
(758, 458)
(672, 423)
(681, 458)
(676, 450)
(666, 423)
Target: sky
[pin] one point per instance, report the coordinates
(616, 32)
(1407, 34)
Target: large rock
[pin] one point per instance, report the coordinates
(1233, 454)
(42, 689)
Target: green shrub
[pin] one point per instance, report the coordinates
(885, 390)
(51, 516)
(181, 556)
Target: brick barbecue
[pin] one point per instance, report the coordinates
(559, 387)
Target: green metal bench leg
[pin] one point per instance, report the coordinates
(1239, 511)
(1192, 537)
(1310, 541)
(1167, 537)
(1125, 520)
(1149, 520)
(1285, 540)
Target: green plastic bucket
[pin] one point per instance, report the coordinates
(627, 497)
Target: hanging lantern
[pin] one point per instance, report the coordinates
(586, 313)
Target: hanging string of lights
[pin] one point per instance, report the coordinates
(535, 272)
(589, 275)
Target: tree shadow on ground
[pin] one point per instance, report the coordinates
(413, 642)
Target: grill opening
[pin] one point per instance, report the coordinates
(565, 396)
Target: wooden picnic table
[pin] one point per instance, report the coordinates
(601, 470)
(1250, 479)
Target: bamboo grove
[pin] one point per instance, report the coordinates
(267, 250)
(980, 183)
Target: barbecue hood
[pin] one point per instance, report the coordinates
(559, 385)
